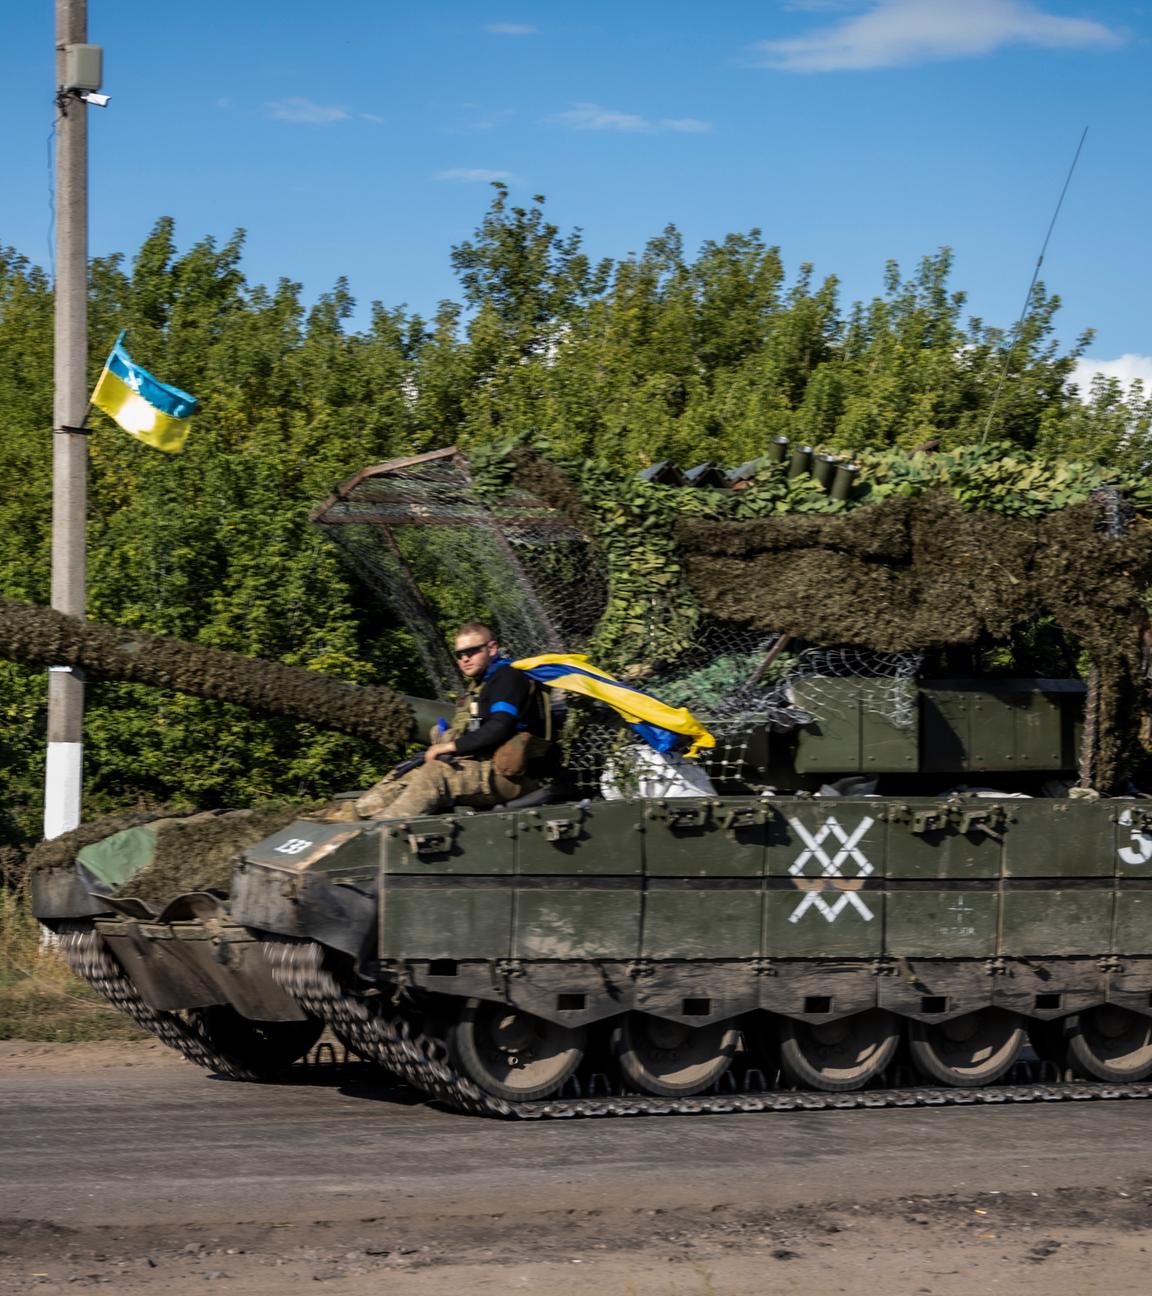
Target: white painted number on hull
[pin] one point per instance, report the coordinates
(1140, 852)
(831, 866)
(293, 846)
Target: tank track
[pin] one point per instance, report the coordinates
(89, 958)
(422, 1062)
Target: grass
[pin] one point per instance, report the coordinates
(40, 999)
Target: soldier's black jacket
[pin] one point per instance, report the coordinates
(503, 703)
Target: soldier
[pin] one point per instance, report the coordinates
(494, 751)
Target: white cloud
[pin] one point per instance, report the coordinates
(306, 112)
(488, 119)
(473, 175)
(687, 125)
(511, 29)
(1128, 368)
(590, 116)
(895, 33)
(372, 117)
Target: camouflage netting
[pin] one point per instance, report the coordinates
(197, 853)
(39, 636)
(906, 575)
(551, 485)
(693, 576)
(195, 850)
(60, 852)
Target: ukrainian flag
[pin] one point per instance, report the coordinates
(663, 727)
(146, 408)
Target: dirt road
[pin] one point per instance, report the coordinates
(125, 1168)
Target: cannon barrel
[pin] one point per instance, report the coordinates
(39, 636)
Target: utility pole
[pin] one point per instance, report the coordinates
(63, 773)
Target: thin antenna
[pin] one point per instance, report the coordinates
(1028, 299)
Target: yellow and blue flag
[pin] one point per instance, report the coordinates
(661, 726)
(144, 407)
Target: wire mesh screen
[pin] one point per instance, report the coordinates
(439, 549)
(743, 683)
(722, 681)
(882, 683)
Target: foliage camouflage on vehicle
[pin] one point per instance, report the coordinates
(196, 852)
(45, 637)
(60, 852)
(922, 555)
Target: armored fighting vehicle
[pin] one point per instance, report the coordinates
(903, 880)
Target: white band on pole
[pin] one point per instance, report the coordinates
(62, 787)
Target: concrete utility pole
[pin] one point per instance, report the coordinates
(63, 774)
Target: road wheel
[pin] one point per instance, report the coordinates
(837, 1055)
(512, 1054)
(1110, 1043)
(669, 1058)
(967, 1051)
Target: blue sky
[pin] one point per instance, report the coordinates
(358, 138)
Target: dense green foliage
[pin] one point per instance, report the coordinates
(656, 355)
(652, 615)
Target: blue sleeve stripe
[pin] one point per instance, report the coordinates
(506, 707)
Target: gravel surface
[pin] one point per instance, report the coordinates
(127, 1169)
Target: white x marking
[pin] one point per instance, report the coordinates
(831, 866)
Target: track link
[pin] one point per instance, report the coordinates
(422, 1062)
(89, 958)
(417, 1059)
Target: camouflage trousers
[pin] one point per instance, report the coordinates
(437, 786)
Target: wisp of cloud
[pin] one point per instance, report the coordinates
(593, 117)
(473, 175)
(304, 111)
(896, 33)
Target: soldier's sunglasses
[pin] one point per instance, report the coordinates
(462, 654)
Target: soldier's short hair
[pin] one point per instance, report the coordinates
(476, 628)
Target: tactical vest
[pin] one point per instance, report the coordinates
(512, 758)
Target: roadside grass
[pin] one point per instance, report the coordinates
(40, 999)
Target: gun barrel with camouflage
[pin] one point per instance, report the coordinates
(39, 636)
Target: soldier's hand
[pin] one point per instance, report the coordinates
(439, 749)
